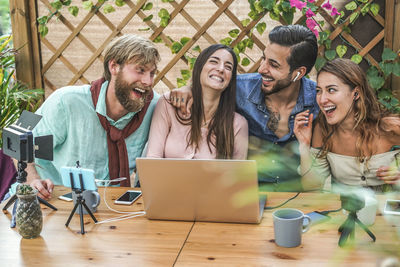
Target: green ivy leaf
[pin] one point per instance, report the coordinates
(328, 43)
(375, 9)
(396, 68)
(233, 33)
(384, 93)
(108, 9)
(119, 3)
(191, 61)
(365, 9)
(87, 5)
(176, 47)
(386, 67)
(167, 1)
(186, 74)
(157, 40)
(258, 7)
(241, 46)
(43, 30)
(148, 18)
(351, 6)
(324, 35)
(274, 16)
(197, 49)
(249, 43)
(180, 82)
(74, 10)
(184, 40)
(388, 54)
(356, 58)
(245, 22)
(164, 22)
(353, 17)
(341, 50)
(261, 27)
(147, 6)
(245, 62)
(288, 16)
(268, 4)
(339, 17)
(330, 54)
(346, 29)
(163, 13)
(144, 29)
(253, 14)
(57, 5)
(374, 79)
(42, 19)
(66, 2)
(226, 41)
(319, 63)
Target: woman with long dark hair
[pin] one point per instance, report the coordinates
(213, 129)
(354, 139)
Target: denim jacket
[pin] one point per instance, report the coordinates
(277, 158)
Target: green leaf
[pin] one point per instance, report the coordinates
(191, 61)
(384, 93)
(42, 19)
(197, 49)
(108, 9)
(288, 16)
(74, 10)
(396, 68)
(163, 14)
(186, 74)
(258, 7)
(261, 27)
(353, 17)
(249, 43)
(330, 54)
(339, 17)
(66, 2)
(374, 79)
(346, 29)
(147, 6)
(119, 3)
(184, 40)
(87, 5)
(167, 1)
(43, 30)
(226, 41)
(164, 22)
(176, 47)
(341, 50)
(365, 9)
(245, 62)
(386, 67)
(328, 43)
(356, 58)
(268, 4)
(57, 5)
(351, 6)
(180, 82)
(324, 35)
(233, 33)
(241, 46)
(157, 40)
(375, 9)
(388, 54)
(144, 29)
(274, 16)
(148, 18)
(253, 14)
(319, 63)
(245, 22)
(286, 6)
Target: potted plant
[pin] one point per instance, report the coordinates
(14, 98)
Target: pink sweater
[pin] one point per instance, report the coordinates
(168, 138)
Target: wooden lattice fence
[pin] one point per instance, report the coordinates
(71, 53)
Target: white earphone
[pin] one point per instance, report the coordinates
(297, 76)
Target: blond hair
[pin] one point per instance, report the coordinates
(130, 48)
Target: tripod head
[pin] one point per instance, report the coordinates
(352, 202)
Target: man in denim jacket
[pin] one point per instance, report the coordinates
(270, 100)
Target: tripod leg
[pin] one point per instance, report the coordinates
(81, 217)
(41, 200)
(365, 228)
(72, 214)
(10, 202)
(89, 212)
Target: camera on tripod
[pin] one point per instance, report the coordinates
(352, 202)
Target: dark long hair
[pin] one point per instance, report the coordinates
(221, 124)
(368, 113)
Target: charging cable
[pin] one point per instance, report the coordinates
(126, 214)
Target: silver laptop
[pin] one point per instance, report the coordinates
(201, 190)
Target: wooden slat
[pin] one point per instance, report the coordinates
(193, 40)
(35, 45)
(110, 37)
(372, 43)
(389, 23)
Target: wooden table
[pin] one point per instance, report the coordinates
(142, 242)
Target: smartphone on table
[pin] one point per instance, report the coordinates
(392, 207)
(316, 217)
(128, 197)
(66, 197)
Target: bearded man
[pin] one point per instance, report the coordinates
(104, 125)
(270, 100)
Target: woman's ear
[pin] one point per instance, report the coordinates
(356, 95)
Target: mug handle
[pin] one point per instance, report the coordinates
(97, 195)
(307, 227)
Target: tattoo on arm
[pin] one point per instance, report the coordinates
(273, 122)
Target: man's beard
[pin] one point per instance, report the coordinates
(123, 93)
(279, 86)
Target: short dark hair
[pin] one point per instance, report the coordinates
(302, 42)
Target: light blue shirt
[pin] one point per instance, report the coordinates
(69, 115)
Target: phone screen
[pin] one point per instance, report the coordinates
(66, 197)
(392, 206)
(316, 217)
(128, 197)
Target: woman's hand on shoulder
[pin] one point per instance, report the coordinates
(181, 99)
